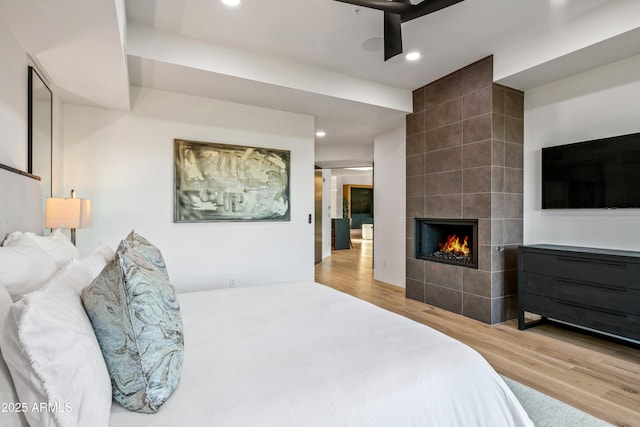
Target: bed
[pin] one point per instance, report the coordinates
(303, 354)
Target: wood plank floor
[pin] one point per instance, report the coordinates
(598, 376)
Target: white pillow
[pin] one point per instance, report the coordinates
(24, 267)
(5, 302)
(53, 355)
(56, 245)
(7, 391)
(104, 251)
(98, 258)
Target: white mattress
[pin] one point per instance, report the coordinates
(302, 354)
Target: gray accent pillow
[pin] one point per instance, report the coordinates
(136, 317)
(145, 252)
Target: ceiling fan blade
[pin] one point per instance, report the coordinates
(395, 13)
(392, 35)
(426, 7)
(384, 5)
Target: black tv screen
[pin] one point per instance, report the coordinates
(603, 173)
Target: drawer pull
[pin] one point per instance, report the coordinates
(593, 285)
(592, 308)
(592, 261)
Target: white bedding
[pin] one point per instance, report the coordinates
(302, 354)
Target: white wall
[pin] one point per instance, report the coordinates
(344, 154)
(595, 104)
(13, 109)
(123, 161)
(389, 195)
(13, 102)
(56, 151)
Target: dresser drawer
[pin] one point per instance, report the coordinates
(606, 320)
(581, 267)
(619, 298)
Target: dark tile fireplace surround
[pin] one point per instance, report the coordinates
(464, 162)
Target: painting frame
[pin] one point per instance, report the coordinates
(216, 182)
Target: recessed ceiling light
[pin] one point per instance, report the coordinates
(413, 56)
(361, 168)
(231, 2)
(321, 134)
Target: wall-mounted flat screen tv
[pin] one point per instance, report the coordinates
(603, 173)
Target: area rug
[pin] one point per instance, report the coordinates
(545, 411)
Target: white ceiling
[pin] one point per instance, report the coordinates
(308, 56)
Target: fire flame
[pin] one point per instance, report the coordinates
(453, 245)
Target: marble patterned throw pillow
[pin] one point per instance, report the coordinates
(136, 317)
(144, 252)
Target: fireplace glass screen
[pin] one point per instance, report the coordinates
(450, 241)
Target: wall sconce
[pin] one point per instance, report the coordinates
(68, 213)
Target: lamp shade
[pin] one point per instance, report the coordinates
(68, 213)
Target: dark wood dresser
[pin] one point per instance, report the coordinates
(594, 288)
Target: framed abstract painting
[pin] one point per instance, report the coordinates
(221, 182)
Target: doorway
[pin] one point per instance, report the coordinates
(318, 215)
(347, 202)
(352, 199)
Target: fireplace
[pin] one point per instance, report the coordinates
(450, 241)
